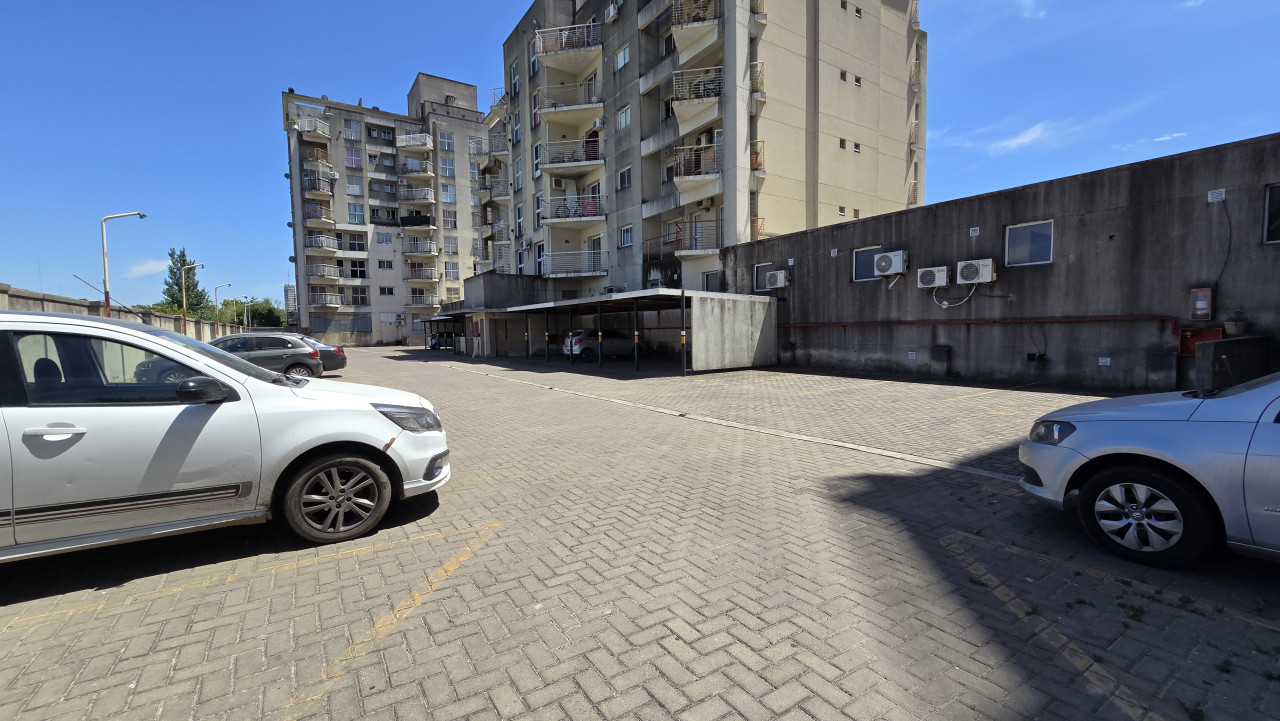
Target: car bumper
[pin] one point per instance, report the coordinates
(335, 364)
(416, 454)
(1047, 470)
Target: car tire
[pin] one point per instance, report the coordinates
(1146, 515)
(588, 355)
(299, 370)
(337, 498)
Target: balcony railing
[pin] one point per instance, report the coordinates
(572, 151)
(698, 160)
(420, 299)
(757, 155)
(913, 138)
(568, 37)
(317, 212)
(324, 271)
(422, 274)
(913, 192)
(756, 77)
(496, 185)
(317, 155)
(425, 166)
(497, 96)
(416, 221)
(420, 246)
(320, 185)
(480, 251)
(574, 262)
(499, 143)
(757, 228)
(698, 83)
(313, 125)
(496, 229)
(325, 298)
(915, 75)
(322, 241)
(686, 236)
(684, 12)
(757, 6)
(557, 96)
(569, 207)
(415, 141)
(424, 195)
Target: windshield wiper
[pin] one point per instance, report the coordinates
(1203, 393)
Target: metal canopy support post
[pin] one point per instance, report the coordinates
(546, 333)
(571, 337)
(635, 333)
(684, 347)
(599, 335)
(528, 349)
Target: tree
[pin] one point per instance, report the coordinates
(198, 303)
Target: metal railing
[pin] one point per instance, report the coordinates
(480, 251)
(913, 192)
(914, 77)
(684, 12)
(325, 298)
(574, 261)
(422, 274)
(497, 96)
(416, 221)
(313, 125)
(756, 76)
(757, 227)
(426, 195)
(757, 6)
(572, 151)
(698, 160)
(496, 229)
(559, 96)
(475, 148)
(686, 235)
(316, 155)
(417, 245)
(568, 37)
(323, 185)
(320, 270)
(425, 166)
(698, 83)
(423, 299)
(317, 212)
(499, 143)
(569, 207)
(913, 138)
(417, 141)
(757, 155)
(497, 185)
(316, 240)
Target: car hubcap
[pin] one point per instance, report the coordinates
(299, 372)
(338, 498)
(1138, 517)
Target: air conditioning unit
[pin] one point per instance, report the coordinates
(557, 183)
(333, 175)
(402, 181)
(704, 139)
(939, 277)
(975, 271)
(891, 263)
(775, 279)
(399, 235)
(598, 123)
(611, 13)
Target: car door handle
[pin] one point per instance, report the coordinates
(64, 431)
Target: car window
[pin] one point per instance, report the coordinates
(269, 343)
(234, 345)
(66, 369)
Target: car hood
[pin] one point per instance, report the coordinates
(319, 389)
(1151, 407)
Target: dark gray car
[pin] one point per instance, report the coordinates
(282, 352)
(332, 356)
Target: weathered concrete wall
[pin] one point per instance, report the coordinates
(503, 290)
(733, 333)
(1129, 244)
(18, 299)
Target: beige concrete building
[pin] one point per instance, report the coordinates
(384, 210)
(634, 139)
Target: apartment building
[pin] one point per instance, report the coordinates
(385, 212)
(633, 140)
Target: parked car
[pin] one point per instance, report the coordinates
(585, 343)
(283, 352)
(1162, 478)
(95, 454)
(332, 357)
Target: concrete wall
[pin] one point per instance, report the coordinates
(1129, 244)
(733, 332)
(17, 299)
(503, 290)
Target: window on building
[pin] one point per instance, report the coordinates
(537, 160)
(355, 241)
(624, 117)
(383, 237)
(515, 127)
(518, 173)
(446, 140)
(389, 162)
(1029, 243)
(386, 134)
(842, 143)
(857, 12)
(621, 57)
(449, 218)
(475, 171)
(358, 269)
(624, 178)
(515, 78)
(386, 290)
(453, 295)
(351, 130)
(537, 210)
(373, 160)
(841, 211)
(711, 281)
(1271, 225)
(864, 263)
(857, 80)
(475, 220)
(376, 214)
(353, 158)
(446, 167)
(386, 265)
(669, 172)
(448, 193)
(520, 262)
(355, 212)
(534, 65)
(844, 76)
(388, 188)
(668, 44)
(668, 108)
(355, 184)
(451, 244)
(373, 133)
(857, 147)
(761, 270)
(450, 270)
(624, 236)
(359, 296)
(520, 220)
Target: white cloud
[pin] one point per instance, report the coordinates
(1170, 136)
(1039, 132)
(1191, 3)
(146, 267)
(1030, 9)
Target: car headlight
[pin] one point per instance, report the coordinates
(1050, 433)
(410, 418)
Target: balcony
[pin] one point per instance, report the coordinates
(574, 264)
(697, 172)
(480, 253)
(688, 238)
(759, 18)
(571, 48)
(756, 158)
(320, 270)
(757, 228)
(417, 196)
(756, 82)
(571, 158)
(496, 230)
(497, 98)
(573, 210)
(422, 275)
(316, 187)
(417, 221)
(416, 142)
(696, 98)
(328, 300)
(914, 76)
(571, 104)
(913, 193)
(313, 129)
(413, 247)
(313, 157)
(321, 244)
(913, 135)
(695, 26)
(419, 300)
(421, 170)
(494, 188)
(316, 214)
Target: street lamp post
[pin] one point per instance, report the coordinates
(184, 293)
(106, 282)
(217, 309)
(244, 300)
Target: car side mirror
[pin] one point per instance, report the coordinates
(202, 389)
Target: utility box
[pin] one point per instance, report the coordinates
(1226, 362)
(1189, 338)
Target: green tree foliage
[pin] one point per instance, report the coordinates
(198, 303)
(263, 312)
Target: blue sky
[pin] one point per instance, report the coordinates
(174, 109)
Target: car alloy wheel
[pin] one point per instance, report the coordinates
(300, 371)
(337, 498)
(173, 376)
(1138, 517)
(1148, 515)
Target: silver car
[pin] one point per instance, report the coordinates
(1163, 478)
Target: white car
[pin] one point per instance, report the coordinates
(92, 453)
(1162, 478)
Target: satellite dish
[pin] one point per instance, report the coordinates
(293, 259)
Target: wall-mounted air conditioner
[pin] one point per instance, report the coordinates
(891, 263)
(939, 277)
(402, 181)
(598, 123)
(557, 183)
(611, 13)
(775, 279)
(333, 175)
(975, 271)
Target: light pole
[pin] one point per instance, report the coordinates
(244, 299)
(106, 283)
(184, 293)
(217, 309)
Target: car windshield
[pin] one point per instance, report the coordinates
(1248, 386)
(216, 354)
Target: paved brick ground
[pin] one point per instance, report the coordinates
(602, 559)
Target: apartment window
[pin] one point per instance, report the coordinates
(711, 281)
(373, 133)
(624, 178)
(843, 75)
(520, 220)
(537, 210)
(844, 4)
(668, 44)
(386, 290)
(841, 211)
(452, 294)
(353, 129)
(446, 167)
(388, 188)
(373, 160)
(386, 265)
(355, 184)
(446, 140)
(1029, 243)
(475, 171)
(864, 263)
(515, 127)
(475, 199)
(389, 162)
(621, 57)
(355, 241)
(518, 173)
(857, 12)
(515, 78)
(448, 193)
(450, 270)
(537, 160)
(376, 213)
(624, 236)
(451, 244)
(358, 269)
(475, 220)
(386, 135)
(534, 65)
(450, 218)
(383, 237)
(1272, 221)
(669, 172)
(842, 143)
(624, 117)
(353, 158)
(857, 80)
(355, 212)
(668, 108)
(857, 147)
(761, 270)
(359, 296)
(520, 262)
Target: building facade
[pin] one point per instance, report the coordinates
(633, 140)
(385, 212)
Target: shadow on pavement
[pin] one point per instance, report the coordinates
(617, 368)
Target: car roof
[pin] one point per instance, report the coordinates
(88, 321)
